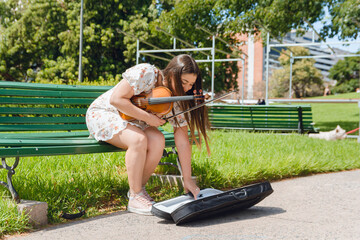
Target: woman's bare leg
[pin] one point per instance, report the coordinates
(155, 147)
(135, 141)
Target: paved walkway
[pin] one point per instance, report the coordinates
(323, 206)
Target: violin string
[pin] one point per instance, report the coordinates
(199, 105)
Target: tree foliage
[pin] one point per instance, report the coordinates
(276, 16)
(27, 39)
(345, 19)
(346, 72)
(306, 79)
(40, 39)
(45, 38)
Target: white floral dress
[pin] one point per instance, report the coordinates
(103, 119)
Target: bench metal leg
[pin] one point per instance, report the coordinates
(11, 172)
(300, 123)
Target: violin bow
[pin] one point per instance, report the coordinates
(200, 105)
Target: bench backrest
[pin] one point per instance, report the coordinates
(262, 117)
(51, 107)
(45, 107)
(48, 119)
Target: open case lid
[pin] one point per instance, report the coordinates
(210, 202)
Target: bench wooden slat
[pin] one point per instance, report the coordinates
(45, 93)
(245, 112)
(270, 108)
(63, 150)
(46, 101)
(40, 135)
(42, 110)
(46, 147)
(224, 117)
(46, 142)
(41, 120)
(270, 119)
(52, 142)
(255, 111)
(56, 87)
(42, 127)
(260, 125)
(58, 150)
(60, 135)
(248, 112)
(259, 129)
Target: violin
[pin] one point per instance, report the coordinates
(159, 101)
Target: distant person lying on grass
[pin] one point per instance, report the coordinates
(327, 91)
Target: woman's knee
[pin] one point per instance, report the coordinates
(157, 140)
(139, 141)
(131, 137)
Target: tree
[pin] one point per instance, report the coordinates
(45, 38)
(306, 79)
(346, 73)
(276, 16)
(345, 19)
(32, 36)
(41, 38)
(105, 50)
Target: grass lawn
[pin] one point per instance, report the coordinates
(352, 95)
(98, 182)
(328, 115)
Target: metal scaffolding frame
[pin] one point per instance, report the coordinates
(193, 48)
(80, 74)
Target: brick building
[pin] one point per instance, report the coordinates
(254, 84)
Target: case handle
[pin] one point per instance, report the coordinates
(241, 197)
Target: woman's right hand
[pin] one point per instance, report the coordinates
(155, 121)
(190, 186)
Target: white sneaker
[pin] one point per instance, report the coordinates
(143, 190)
(138, 203)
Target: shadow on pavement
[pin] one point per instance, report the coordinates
(75, 222)
(251, 213)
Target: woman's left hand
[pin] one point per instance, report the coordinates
(190, 186)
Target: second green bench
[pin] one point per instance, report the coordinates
(262, 117)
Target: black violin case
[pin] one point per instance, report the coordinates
(210, 202)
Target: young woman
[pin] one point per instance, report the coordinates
(143, 142)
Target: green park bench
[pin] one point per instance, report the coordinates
(48, 120)
(262, 117)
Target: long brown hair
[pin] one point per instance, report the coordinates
(198, 120)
